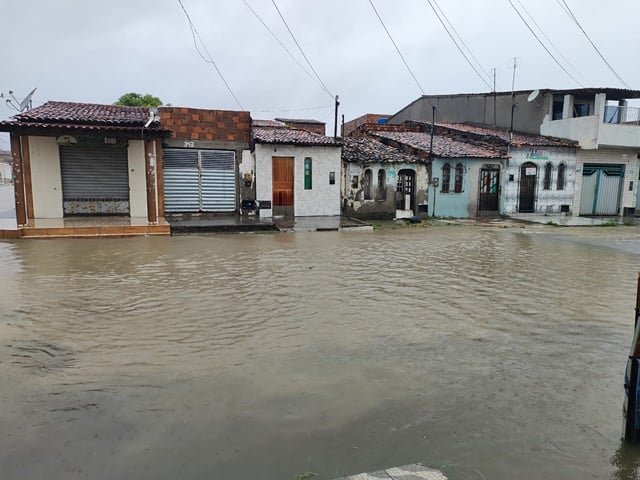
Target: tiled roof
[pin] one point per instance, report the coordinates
(86, 113)
(443, 146)
(267, 123)
(371, 150)
(83, 116)
(300, 120)
(518, 140)
(293, 136)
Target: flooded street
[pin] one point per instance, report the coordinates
(487, 353)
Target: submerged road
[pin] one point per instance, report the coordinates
(486, 353)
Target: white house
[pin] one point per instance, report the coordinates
(297, 172)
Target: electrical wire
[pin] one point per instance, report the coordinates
(293, 109)
(478, 64)
(324, 87)
(542, 44)
(575, 70)
(284, 46)
(396, 46)
(568, 11)
(209, 59)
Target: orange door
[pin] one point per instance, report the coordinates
(282, 170)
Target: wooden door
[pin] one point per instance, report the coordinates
(282, 185)
(489, 200)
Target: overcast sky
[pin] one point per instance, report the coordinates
(94, 51)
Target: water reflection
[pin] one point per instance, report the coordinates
(626, 461)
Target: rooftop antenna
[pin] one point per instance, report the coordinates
(20, 106)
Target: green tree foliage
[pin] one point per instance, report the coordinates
(133, 99)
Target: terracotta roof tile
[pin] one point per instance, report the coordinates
(284, 135)
(85, 113)
(443, 146)
(370, 150)
(519, 139)
(267, 123)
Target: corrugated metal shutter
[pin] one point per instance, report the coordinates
(199, 180)
(218, 181)
(94, 173)
(181, 180)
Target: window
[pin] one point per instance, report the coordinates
(561, 174)
(354, 182)
(458, 179)
(580, 109)
(381, 192)
(366, 183)
(558, 105)
(446, 178)
(307, 174)
(546, 185)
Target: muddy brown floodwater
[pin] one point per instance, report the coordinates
(488, 353)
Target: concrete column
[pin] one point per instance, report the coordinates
(150, 169)
(18, 180)
(600, 103)
(567, 107)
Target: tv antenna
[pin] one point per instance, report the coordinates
(19, 105)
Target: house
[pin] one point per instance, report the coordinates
(297, 172)
(540, 172)
(382, 181)
(201, 160)
(601, 120)
(77, 160)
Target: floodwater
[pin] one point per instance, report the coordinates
(488, 353)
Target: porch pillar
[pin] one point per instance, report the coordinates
(159, 178)
(150, 169)
(18, 180)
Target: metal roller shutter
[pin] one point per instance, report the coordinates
(94, 179)
(199, 180)
(181, 180)
(218, 180)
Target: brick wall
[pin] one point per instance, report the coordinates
(200, 124)
(369, 118)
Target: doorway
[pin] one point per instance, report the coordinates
(405, 190)
(528, 182)
(489, 196)
(282, 169)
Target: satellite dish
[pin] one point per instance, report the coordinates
(26, 103)
(533, 95)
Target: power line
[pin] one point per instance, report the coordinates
(396, 46)
(431, 4)
(542, 43)
(293, 109)
(549, 40)
(302, 51)
(209, 59)
(284, 46)
(573, 17)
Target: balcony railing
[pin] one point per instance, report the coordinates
(622, 115)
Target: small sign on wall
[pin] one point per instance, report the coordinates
(530, 171)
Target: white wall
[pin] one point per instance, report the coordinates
(6, 174)
(583, 130)
(137, 179)
(46, 180)
(547, 201)
(323, 198)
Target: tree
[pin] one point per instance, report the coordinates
(133, 99)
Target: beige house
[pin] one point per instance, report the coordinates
(87, 170)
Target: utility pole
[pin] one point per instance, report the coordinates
(495, 99)
(513, 97)
(335, 120)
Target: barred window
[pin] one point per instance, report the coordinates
(546, 185)
(458, 180)
(446, 178)
(562, 168)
